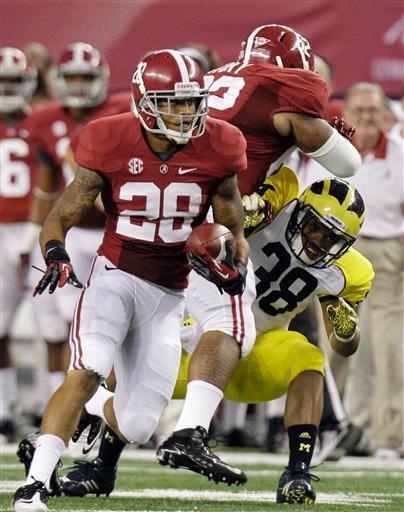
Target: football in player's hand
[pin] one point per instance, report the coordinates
(210, 239)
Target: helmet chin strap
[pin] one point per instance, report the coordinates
(171, 134)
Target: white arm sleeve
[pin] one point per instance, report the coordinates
(338, 156)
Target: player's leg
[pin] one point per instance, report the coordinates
(82, 245)
(285, 362)
(10, 297)
(101, 322)
(228, 332)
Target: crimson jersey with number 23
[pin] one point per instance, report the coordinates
(249, 95)
(152, 205)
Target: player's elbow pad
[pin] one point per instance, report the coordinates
(338, 156)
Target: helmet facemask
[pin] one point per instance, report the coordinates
(190, 126)
(16, 92)
(89, 92)
(301, 235)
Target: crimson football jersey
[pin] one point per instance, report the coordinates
(17, 169)
(55, 129)
(152, 205)
(249, 95)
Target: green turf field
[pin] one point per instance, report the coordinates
(143, 485)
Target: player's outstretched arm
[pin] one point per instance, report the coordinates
(71, 206)
(341, 324)
(228, 210)
(320, 141)
(67, 212)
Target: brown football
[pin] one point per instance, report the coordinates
(210, 237)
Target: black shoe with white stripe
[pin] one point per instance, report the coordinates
(295, 487)
(88, 478)
(189, 449)
(31, 498)
(25, 454)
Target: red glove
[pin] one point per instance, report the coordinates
(227, 275)
(342, 127)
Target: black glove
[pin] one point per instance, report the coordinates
(59, 270)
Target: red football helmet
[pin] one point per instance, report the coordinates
(18, 80)
(81, 78)
(170, 76)
(277, 44)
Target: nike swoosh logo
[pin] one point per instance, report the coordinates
(225, 276)
(185, 171)
(110, 268)
(88, 450)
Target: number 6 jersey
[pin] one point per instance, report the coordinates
(152, 204)
(285, 285)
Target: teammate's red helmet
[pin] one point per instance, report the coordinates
(277, 44)
(17, 80)
(169, 75)
(84, 60)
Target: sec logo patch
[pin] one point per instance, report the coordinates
(135, 166)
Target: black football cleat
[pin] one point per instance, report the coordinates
(189, 449)
(88, 478)
(295, 487)
(25, 454)
(31, 497)
(87, 432)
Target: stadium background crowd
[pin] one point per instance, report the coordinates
(371, 385)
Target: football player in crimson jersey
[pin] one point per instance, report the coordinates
(81, 88)
(18, 175)
(159, 173)
(273, 95)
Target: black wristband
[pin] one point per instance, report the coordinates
(55, 251)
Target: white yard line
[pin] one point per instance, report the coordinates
(256, 458)
(237, 496)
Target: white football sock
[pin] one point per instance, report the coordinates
(56, 379)
(96, 404)
(48, 451)
(8, 391)
(234, 415)
(200, 404)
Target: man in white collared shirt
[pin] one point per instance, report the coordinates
(380, 182)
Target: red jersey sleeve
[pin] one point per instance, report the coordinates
(230, 145)
(99, 147)
(299, 91)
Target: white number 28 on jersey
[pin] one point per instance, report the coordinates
(163, 204)
(14, 175)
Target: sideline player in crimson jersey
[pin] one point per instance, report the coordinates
(17, 182)
(81, 88)
(158, 175)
